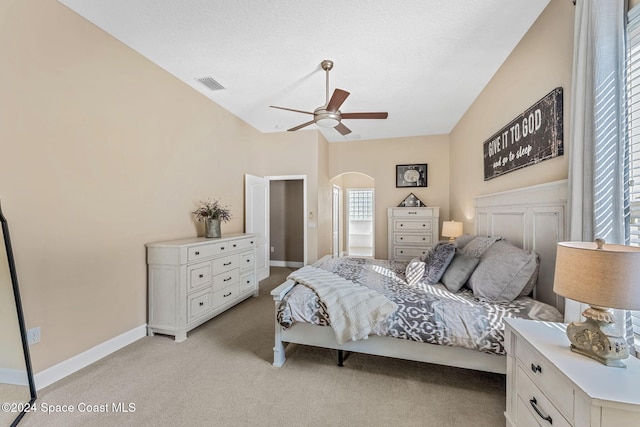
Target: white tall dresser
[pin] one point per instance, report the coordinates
(411, 231)
(192, 280)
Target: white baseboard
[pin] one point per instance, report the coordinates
(75, 363)
(293, 264)
(13, 376)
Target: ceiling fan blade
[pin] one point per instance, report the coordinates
(301, 126)
(337, 99)
(291, 109)
(379, 115)
(342, 129)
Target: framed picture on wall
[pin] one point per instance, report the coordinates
(411, 175)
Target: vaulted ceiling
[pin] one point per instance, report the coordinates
(422, 61)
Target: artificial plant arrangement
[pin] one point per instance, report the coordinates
(212, 209)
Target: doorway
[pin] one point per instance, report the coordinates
(360, 222)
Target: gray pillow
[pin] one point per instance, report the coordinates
(461, 241)
(503, 272)
(437, 261)
(459, 271)
(415, 271)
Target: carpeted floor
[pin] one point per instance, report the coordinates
(222, 376)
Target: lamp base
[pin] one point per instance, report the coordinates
(597, 338)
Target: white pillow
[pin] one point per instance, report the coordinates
(415, 271)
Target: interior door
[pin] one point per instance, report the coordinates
(256, 193)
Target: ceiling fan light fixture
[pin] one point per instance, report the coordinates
(327, 122)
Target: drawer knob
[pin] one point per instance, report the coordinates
(222, 248)
(226, 295)
(402, 238)
(252, 242)
(534, 405)
(226, 263)
(248, 260)
(201, 276)
(197, 253)
(536, 368)
(201, 304)
(234, 245)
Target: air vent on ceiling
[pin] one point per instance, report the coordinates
(210, 83)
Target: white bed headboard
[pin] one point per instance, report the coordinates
(533, 218)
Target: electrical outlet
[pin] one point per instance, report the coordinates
(273, 249)
(33, 335)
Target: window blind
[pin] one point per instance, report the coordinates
(633, 121)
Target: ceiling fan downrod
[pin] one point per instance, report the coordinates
(327, 65)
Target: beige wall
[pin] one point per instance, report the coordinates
(540, 62)
(102, 152)
(378, 159)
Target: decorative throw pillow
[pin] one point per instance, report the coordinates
(462, 241)
(414, 271)
(437, 261)
(503, 272)
(459, 271)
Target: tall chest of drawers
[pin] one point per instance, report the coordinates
(192, 280)
(411, 231)
(549, 385)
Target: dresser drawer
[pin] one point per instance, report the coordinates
(546, 377)
(226, 279)
(412, 213)
(409, 252)
(409, 239)
(226, 295)
(402, 225)
(198, 275)
(247, 282)
(533, 407)
(206, 251)
(199, 303)
(243, 244)
(247, 260)
(226, 263)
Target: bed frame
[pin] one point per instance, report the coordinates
(530, 217)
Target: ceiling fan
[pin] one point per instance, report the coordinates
(329, 114)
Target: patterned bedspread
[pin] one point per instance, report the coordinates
(426, 313)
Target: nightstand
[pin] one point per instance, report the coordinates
(549, 385)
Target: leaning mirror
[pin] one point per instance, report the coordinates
(17, 389)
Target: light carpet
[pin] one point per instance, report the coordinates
(222, 376)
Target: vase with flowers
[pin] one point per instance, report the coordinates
(212, 213)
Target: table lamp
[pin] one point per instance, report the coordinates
(603, 276)
(451, 229)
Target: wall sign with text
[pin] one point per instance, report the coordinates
(530, 138)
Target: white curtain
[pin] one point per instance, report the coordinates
(597, 146)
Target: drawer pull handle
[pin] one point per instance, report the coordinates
(201, 304)
(222, 248)
(252, 242)
(402, 238)
(234, 245)
(401, 225)
(536, 368)
(534, 405)
(197, 253)
(201, 276)
(424, 238)
(226, 263)
(226, 295)
(227, 279)
(248, 260)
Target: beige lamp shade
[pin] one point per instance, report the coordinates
(451, 229)
(606, 277)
